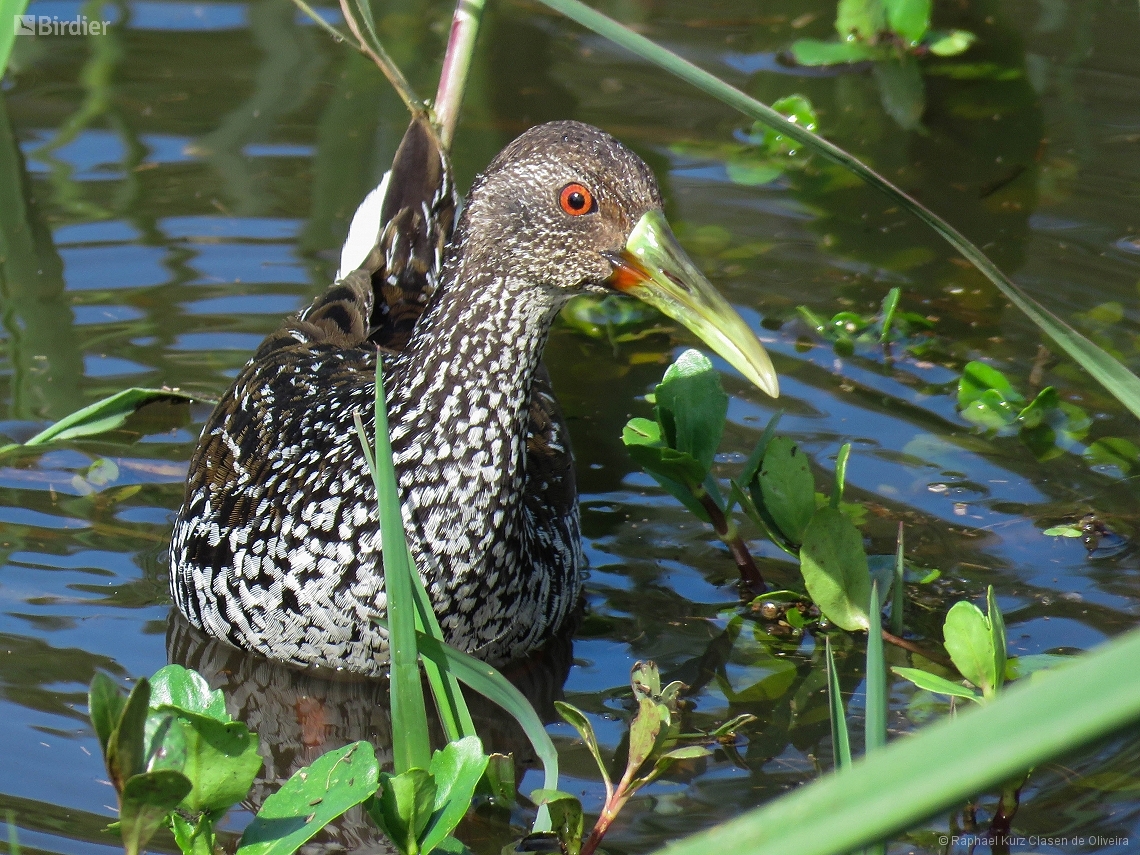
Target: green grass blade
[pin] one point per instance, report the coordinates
(410, 745)
(492, 685)
(840, 741)
(943, 765)
(876, 721)
(449, 700)
(898, 589)
(1118, 380)
(9, 9)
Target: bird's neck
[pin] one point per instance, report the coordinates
(460, 412)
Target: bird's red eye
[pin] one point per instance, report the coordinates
(576, 199)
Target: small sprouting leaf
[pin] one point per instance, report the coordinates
(864, 19)
(188, 690)
(887, 312)
(787, 487)
(499, 779)
(144, 803)
(796, 109)
(645, 680)
(997, 636)
(105, 706)
(934, 683)
(692, 407)
(577, 719)
(813, 52)
(341, 779)
(565, 817)
(969, 641)
(125, 747)
(403, 807)
(644, 731)
(978, 378)
(457, 769)
(951, 43)
(910, 19)
(1064, 531)
(219, 758)
(835, 571)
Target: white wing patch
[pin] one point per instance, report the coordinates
(364, 230)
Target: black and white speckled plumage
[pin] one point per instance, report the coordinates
(277, 547)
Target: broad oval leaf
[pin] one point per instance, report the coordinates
(692, 407)
(835, 571)
(144, 803)
(909, 18)
(456, 769)
(219, 758)
(311, 799)
(188, 690)
(787, 487)
(105, 706)
(977, 378)
(969, 641)
(125, 747)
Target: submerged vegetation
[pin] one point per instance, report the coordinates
(178, 761)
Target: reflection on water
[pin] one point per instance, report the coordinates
(172, 189)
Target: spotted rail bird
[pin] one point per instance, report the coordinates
(277, 545)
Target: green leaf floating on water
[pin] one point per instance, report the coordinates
(102, 416)
(311, 799)
(835, 571)
(817, 52)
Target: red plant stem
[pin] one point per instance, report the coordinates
(727, 532)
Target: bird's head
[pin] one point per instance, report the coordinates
(569, 209)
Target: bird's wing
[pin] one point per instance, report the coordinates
(391, 261)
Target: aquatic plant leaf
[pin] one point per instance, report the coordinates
(456, 770)
(1114, 451)
(196, 839)
(934, 683)
(840, 740)
(841, 477)
(188, 690)
(951, 43)
(898, 588)
(864, 19)
(887, 313)
(815, 52)
(796, 109)
(219, 758)
(692, 407)
(499, 779)
(105, 703)
(125, 747)
(565, 815)
(644, 732)
(403, 806)
(676, 471)
(311, 799)
(144, 803)
(1064, 531)
(101, 416)
(901, 90)
(875, 720)
(910, 19)
(748, 172)
(577, 719)
(997, 637)
(969, 641)
(835, 571)
(787, 487)
(939, 767)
